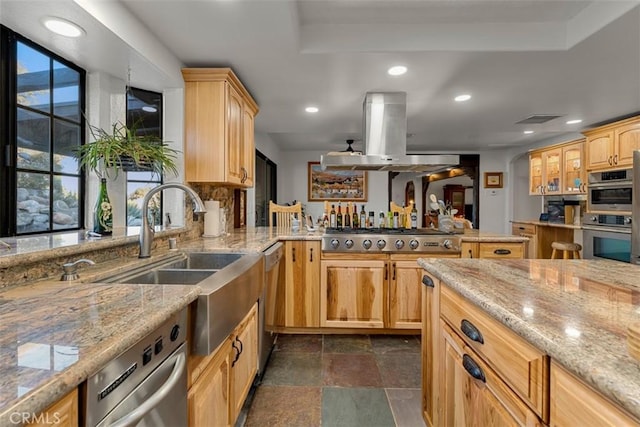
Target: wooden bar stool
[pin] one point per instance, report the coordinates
(567, 249)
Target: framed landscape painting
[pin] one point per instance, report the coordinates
(336, 185)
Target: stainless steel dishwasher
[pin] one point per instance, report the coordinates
(146, 385)
(267, 302)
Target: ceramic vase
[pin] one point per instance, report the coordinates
(103, 212)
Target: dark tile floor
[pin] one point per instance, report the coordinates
(340, 380)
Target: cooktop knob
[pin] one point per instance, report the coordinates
(335, 243)
(627, 220)
(414, 244)
(381, 244)
(594, 218)
(399, 244)
(348, 243)
(366, 244)
(447, 244)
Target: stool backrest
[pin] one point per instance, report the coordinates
(283, 214)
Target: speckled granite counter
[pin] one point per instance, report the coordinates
(575, 311)
(54, 335)
(548, 224)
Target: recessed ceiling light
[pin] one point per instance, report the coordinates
(573, 122)
(63, 27)
(311, 109)
(397, 70)
(528, 132)
(462, 98)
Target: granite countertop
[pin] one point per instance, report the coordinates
(54, 335)
(576, 311)
(548, 224)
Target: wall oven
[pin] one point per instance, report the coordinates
(610, 191)
(607, 237)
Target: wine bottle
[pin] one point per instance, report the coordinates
(347, 219)
(414, 217)
(363, 217)
(103, 212)
(332, 217)
(356, 218)
(339, 217)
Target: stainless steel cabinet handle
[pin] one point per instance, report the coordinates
(137, 414)
(472, 368)
(470, 330)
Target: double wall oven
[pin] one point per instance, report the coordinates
(611, 192)
(607, 236)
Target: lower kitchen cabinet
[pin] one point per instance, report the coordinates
(244, 362)
(208, 397)
(301, 284)
(573, 403)
(221, 381)
(471, 394)
(352, 292)
(63, 413)
(492, 250)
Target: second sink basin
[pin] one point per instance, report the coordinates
(170, 277)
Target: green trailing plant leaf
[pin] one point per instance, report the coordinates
(112, 151)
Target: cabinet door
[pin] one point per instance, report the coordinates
(600, 150)
(627, 139)
(471, 394)
(529, 231)
(248, 146)
(552, 161)
(208, 397)
(63, 413)
(573, 403)
(244, 364)
(352, 293)
(535, 174)
(468, 250)
(574, 172)
(405, 308)
(234, 136)
(302, 278)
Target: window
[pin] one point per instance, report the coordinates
(144, 112)
(266, 182)
(43, 98)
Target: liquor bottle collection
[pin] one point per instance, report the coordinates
(351, 219)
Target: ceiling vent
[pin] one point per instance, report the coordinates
(537, 119)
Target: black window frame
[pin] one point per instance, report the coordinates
(9, 40)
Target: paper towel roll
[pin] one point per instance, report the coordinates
(212, 218)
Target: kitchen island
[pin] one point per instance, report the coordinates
(567, 315)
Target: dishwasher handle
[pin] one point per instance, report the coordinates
(137, 414)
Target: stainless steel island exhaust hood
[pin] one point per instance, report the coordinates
(385, 141)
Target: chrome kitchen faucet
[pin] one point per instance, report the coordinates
(146, 230)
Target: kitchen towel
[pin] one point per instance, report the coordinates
(212, 218)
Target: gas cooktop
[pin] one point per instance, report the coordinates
(391, 240)
(394, 231)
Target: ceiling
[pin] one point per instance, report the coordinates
(574, 59)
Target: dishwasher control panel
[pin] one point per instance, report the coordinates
(121, 375)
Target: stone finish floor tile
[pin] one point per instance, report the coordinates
(299, 343)
(285, 406)
(399, 369)
(405, 405)
(346, 344)
(303, 369)
(350, 370)
(395, 344)
(355, 407)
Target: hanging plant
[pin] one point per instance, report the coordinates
(123, 149)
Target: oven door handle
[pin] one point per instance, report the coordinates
(136, 415)
(606, 185)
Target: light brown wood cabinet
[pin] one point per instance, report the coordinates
(558, 169)
(611, 146)
(63, 413)
(244, 360)
(208, 397)
(574, 403)
(352, 292)
(492, 250)
(219, 128)
(528, 231)
(301, 284)
(219, 382)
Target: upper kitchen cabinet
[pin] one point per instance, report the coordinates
(611, 146)
(558, 169)
(219, 128)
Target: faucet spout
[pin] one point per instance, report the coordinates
(146, 230)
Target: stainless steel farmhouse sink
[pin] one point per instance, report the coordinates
(230, 284)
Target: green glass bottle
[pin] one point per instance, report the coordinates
(103, 212)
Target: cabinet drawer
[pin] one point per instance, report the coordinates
(519, 229)
(521, 365)
(501, 250)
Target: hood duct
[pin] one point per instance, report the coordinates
(385, 141)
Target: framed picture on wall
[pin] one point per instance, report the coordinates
(493, 180)
(336, 185)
